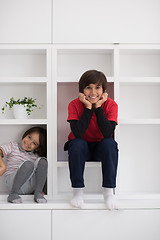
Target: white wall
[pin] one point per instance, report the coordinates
(25, 21)
(85, 21)
(106, 21)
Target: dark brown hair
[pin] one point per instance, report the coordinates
(42, 148)
(92, 77)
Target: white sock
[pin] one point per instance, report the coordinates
(109, 198)
(77, 199)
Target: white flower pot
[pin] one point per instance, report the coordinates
(19, 112)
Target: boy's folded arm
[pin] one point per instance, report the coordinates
(106, 126)
(79, 127)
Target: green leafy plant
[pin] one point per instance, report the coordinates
(28, 102)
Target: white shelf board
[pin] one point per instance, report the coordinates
(139, 80)
(75, 79)
(133, 47)
(137, 196)
(139, 121)
(29, 47)
(79, 47)
(67, 79)
(61, 164)
(88, 205)
(22, 80)
(22, 121)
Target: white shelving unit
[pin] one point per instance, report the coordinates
(45, 46)
(24, 71)
(134, 70)
(139, 117)
(50, 73)
(71, 61)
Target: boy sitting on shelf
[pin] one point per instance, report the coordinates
(93, 118)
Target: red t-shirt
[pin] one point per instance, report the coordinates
(93, 133)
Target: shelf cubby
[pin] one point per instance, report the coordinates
(20, 90)
(139, 159)
(139, 63)
(139, 101)
(22, 63)
(13, 133)
(71, 63)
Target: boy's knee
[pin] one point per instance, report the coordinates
(108, 143)
(78, 143)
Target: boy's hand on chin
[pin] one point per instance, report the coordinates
(83, 99)
(102, 100)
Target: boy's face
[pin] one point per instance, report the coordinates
(93, 92)
(30, 142)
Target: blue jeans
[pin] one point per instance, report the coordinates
(105, 151)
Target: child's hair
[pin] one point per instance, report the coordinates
(42, 148)
(92, 77)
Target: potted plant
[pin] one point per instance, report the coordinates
(22, 108)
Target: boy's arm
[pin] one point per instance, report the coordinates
(2, 164)
(107, 127)
(79, 127)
